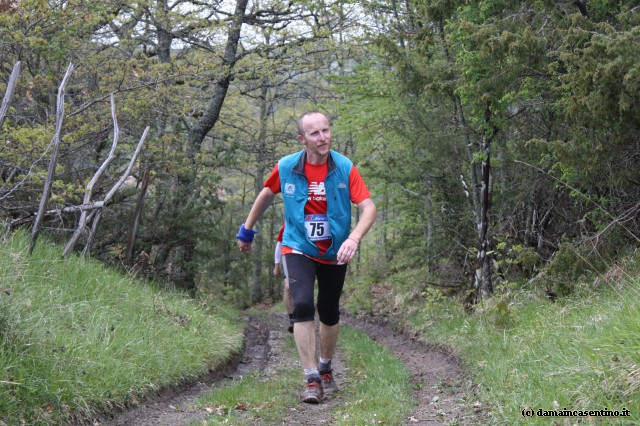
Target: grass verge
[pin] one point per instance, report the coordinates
(573, 361)
(77, 338)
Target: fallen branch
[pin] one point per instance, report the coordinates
(57, 212)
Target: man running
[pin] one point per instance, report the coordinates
(318, 186)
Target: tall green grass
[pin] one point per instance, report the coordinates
(580, 353)
(77, 338)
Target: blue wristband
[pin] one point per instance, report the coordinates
(246, 235)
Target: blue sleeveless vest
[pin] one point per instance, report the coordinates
(294, 187)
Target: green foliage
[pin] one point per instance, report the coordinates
(552, 87)
(430, 298)
(399, 153)
(235, 296)
(555, 84)
(184, 225)
(569, 264)
(496, 311)
(574, 263)
(515, 261)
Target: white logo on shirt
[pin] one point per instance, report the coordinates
(289, 188)
(317, 191)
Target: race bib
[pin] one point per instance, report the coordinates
(317, 226)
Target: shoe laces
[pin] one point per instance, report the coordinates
(327, 376)
(313, 384)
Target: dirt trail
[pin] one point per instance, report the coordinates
(443, 394)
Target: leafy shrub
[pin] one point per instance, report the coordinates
(569, 265)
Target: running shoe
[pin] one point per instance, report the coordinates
(313, 393)
(328, 383)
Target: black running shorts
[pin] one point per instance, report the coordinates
(302, 272)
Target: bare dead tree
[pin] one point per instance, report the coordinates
(88, 209)
(8, 95)
(46, 192)
(89, 190)
(96, 214)
(114, 189)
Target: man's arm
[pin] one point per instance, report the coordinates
(368, 214)
(260, 205)
(277, 259)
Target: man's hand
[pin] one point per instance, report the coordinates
(276, 270)
(245, 238)
(367, 217)
(244, 247)
(347, 250)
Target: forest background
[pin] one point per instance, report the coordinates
(499, 139)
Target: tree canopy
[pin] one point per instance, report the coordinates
(498, 138)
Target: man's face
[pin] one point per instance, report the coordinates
(317, 135)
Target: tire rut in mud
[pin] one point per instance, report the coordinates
(172, 406)
(442, 391)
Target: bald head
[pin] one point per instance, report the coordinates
(306, 114)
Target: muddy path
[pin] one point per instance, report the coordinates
(443, 393)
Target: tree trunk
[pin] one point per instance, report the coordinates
(46, 192)
(199, 131)
(8, 95)
(482, 286)
(89, 190)
(265, 106)
(137, 216)
(429, 218)
(165, 38)
(107, 198)
(474, 199)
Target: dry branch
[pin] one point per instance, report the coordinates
(113, 190)
(46, 192)
(127, 172)
(57, 213)
(89, 191)
(8, 95)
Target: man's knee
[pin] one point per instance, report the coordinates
(304, 311)
(329, 315)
